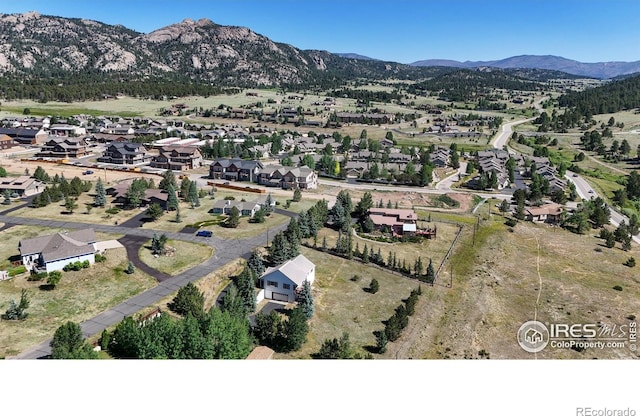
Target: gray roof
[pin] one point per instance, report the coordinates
(295, 269)
(60, 245)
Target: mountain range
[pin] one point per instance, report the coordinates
(40, 46)
(601, 70)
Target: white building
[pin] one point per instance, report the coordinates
(53, 252)
(283, 282)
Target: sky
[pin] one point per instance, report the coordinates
(402, 31)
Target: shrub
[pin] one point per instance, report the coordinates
(112, 210)
(16, 271)
(374, 286)
(54, 278)
(631, 262)
(511, 222)
(100, 258)
(618, 288)
(36, 277)
(355, 278)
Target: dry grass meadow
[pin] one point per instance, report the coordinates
(496, 287)
(79, 295)
(180, 257)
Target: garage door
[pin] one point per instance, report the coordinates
(279, 296)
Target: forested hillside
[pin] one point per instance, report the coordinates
(610, 98)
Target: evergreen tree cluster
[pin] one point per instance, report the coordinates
(282, 335)
(59, 189)
(215, 334)
(398, 321)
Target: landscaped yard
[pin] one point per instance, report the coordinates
(79, 296)
(181, 256)
(434, 249)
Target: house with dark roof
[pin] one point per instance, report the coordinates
(64, 147)
(25, 136)
(151, 196)
(53, 252)
(125, 153)
(246, 208)
(287, 177)
(177, 158)
(235, 169)
(284, 282)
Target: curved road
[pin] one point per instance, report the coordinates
(225, 252)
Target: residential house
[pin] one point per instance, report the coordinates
(6, 142)
(177, 158)
(66, 130)
(283, 282)
(22, 185)
(549, 213)
(53, 252)
(151, 196)
(245, 208)
(287, 177)
(25, 136)
(396, 220)
(235, 169)
(64, 147)
(440, 157)
(125, 153)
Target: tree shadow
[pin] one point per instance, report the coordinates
(46, 287)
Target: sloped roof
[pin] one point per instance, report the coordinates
(60, 245)
(295, 269)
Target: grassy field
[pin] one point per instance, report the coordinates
(342, 305)
(185, 256)
(79, 296)
(56, 211)
(500, 281)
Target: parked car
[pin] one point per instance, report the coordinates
(87, 172)
(204, 233)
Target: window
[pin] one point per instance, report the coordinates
(270, 283)
(286, 286)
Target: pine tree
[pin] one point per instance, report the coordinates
(168, 178)
(365, 254)
(100, 199)
(306, 299)
(7, 197)
(193, 195)
(172, 198)
(246, 289)
(431, 274)
(256, 264)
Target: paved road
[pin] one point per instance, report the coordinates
(446, 183)
(226, 252)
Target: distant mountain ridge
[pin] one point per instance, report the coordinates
(601, 70)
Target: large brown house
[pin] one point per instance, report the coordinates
(177, 158)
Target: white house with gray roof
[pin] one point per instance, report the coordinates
(283, 282)
(53, 252)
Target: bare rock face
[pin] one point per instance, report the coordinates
(191, 48)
